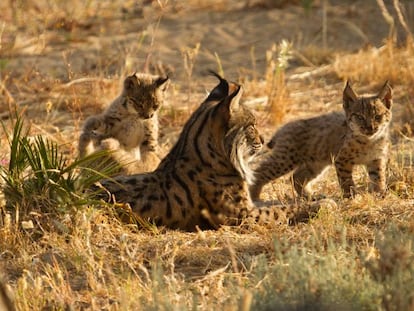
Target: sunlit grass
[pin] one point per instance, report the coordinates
(61, 249)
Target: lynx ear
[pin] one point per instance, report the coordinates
(235, 96)
(348, 95)
(221, 90)
(162, 82)
(230, 105)
(385, 95)
(130, 82)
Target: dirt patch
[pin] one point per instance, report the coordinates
(236, 35)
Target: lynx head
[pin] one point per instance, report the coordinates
(144, 93)
(241, 140)
(368, 115)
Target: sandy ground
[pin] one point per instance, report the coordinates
(234, 33)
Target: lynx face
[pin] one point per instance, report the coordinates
(253, 139)
(144, 94)
(248, 144)
(368, 116)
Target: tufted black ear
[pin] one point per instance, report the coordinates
(221, 90)
(386, 95)
(161, 82)
(234, 97)
(349, 95)
(231, 104)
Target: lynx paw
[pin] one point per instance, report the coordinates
(110, 144)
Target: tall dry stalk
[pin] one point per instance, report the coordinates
(402, 21)
(189, 57)
(277, 95)
(389, 20)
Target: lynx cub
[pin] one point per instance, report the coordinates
(358, 136)
(129, 125)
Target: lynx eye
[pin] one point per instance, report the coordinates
(360, 117)
(378, 118)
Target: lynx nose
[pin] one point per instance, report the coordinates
(370, 129)
(148, 115)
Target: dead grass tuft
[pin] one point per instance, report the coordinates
(277, 59)
(376, 65)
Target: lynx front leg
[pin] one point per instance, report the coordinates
(268, 167)
(376, 171)
(149, 142)
(305, 174)
(344, 173)
(255, 191)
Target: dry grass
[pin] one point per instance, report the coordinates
(378, 64)
(277, 59)
(355, 256)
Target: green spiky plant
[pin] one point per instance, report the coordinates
(39, 177)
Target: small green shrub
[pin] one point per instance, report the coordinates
(337, 276)
(39, 177)
(315, 278)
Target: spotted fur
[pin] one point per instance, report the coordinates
(359, 135)
(202, 181)
(129, 126)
